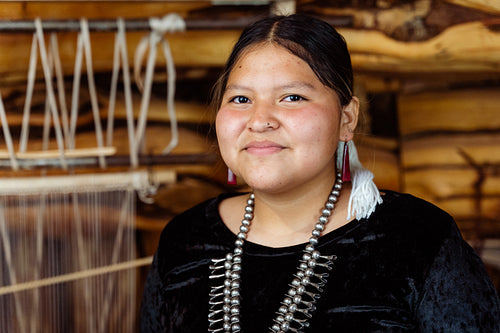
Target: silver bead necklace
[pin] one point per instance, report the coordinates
(305, 287)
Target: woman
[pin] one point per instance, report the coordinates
(308, 250)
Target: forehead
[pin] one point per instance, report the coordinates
(273, 61)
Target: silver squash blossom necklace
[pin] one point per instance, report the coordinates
(305, 287)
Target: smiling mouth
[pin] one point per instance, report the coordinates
(263, 148)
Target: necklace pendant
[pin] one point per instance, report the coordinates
(305, 289)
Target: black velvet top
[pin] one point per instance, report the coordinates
(404, 269)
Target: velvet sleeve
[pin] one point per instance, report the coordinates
(458, 295)
(150, 316)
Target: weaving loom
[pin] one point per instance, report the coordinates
(68, 260)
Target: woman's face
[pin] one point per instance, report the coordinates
(278, 126)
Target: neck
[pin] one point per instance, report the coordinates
(291, 215)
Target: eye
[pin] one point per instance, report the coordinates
(293, 98)
(240, 100)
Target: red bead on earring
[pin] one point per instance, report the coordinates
(346, 169)
(231, 178)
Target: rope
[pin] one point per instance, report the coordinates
(120, 50)
(169, 23)
(7, 136)
(50, 91)
(92, 89)
(75, 93)
(61, 93)
(29, 94)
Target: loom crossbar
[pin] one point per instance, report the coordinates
(27, 26)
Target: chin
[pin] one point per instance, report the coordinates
(267, 186)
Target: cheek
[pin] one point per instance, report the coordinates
(316, 128)
(227, 129)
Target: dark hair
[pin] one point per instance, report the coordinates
(313, 40)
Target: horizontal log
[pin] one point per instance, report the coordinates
(371, 51)
(437, 183)
(190, 48)
(186, 112)
(194, 154)
(377, 83)
(386, 19)
(98, 9)
(448, 151)
(464, 208)
(443, 111)
(484, 5)
(447, 52)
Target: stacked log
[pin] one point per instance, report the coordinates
(450, 154)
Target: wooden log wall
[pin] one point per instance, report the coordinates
(427, 73)
(450, 153)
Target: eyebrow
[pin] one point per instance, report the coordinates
(291, 85)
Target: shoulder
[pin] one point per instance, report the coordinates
(199, 219)
(412, 212)
(186, 233)
(413, 224)
(191, 219)
(406, 204)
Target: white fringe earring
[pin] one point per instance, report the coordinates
(365, 195)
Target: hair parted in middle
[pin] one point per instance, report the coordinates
(313, 40)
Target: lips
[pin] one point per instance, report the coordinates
(263, 147)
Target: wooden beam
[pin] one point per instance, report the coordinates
(468, 47)
(445, 151)
(189, 49)
(371, 51)
(490, 6)
(98, 9)
(454, 110)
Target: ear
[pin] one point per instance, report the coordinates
(349, 119)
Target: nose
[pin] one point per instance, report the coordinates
(262, 119)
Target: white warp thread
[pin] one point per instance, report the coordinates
(8, 137)
(365, 195)
(51, 99)
(120, 53)
(85, 35)
(169, 23)
(23, 142)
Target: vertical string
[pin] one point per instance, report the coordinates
(120, 51)
(82, 259)
(154, 38)
(112, 93)
(7, 136)
(61, 93)
(170, 99)
(169, 23)
(47, 111)
(92, 88)
(75, 93)
(10, 267)
(50, 91)
(23, 142)
(40, 217)
(46, 128)
(117, 247)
